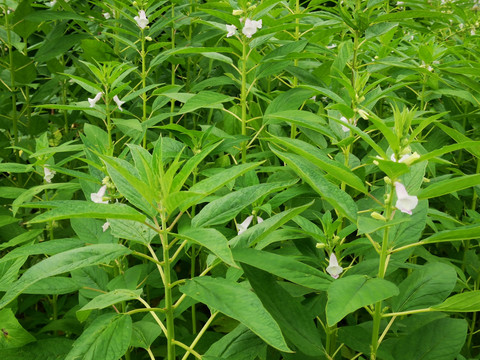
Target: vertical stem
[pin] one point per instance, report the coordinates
(330, 341)
(382, 267)
(144, 95)
(168, 290)
(172, 80)
(109, 123)
(12, 82)
(243, 99)
(293, 130)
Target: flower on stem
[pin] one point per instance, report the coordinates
(251, 27)
(98, 196)
(232, 30)
(405, 203)
(118, 102)
(141, 19)
(345, 120)
(95, 99)
(246, 223)
(333, 268)
(49, 174)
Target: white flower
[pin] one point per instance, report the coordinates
(472, 32)
(345, 120)
(332, 46)
(98, 196)
(51, 3)
(118, 102)
(95, 99)
(405, 203)
(407, 158)
(244, 225)
(232, 30)
(49, 174)
(259, 220)
(105, 226)
(251, 27)
(141, 19)
(106, 15)
(461, 26)
(333, 268)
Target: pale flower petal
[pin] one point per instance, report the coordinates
(106, 15)
(118, 102)
(98, 196)
(232, 30)
(105, 226)
(244, 225)
(49, 174)
(405, 203)
(95, 99)
(141, 19)
(333, 268)
(251, 27)
(345, 120)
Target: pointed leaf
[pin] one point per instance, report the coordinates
(223, 295)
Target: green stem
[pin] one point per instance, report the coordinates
(200, 334)
(12, 83)
(168, 291)
(330, 341)
(382, 267)
(144, 95)
(172, 79)
(293, 130)
(243, 99)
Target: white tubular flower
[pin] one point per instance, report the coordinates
(51, 3)
(118, 102)
(232, 30)
(405, 203)
(95, 99)
(49, 174)
(244, 225)
(106, 15)
(105, 226)
(332, 46)
(141, 19)
(251, 27)
(345, 120)
(98, 196)
(259, 220)
(333, 268)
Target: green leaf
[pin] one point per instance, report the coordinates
(144, 334)
(324, 163)
(257, 234)
(227, 207)
(465, 302)
(239, 344)
(132, 230)
(46, 349)
(287, 311)
(284, 267)
(450, 185)
(15, 168)
(224, 295)
(30, 193)
(67, 209)
(467, 232)
(13, 334)
(105, 300)
(205, 100)
(309, 173)
(22, 238)
(107, 338)
(64, 262)
(301, 118)
(52, 47)
(440, 339)
(56, 285)
(212, 239)
(424, 287)
(350, 293)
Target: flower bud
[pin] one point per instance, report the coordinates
(237, 12)
(378, 216)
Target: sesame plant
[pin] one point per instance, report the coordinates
(239, 180)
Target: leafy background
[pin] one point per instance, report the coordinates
(228, 170)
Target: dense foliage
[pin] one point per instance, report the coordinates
(239, 180)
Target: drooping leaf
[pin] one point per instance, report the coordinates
(223, 295)
(350, 293)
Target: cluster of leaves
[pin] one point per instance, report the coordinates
(173, 184)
